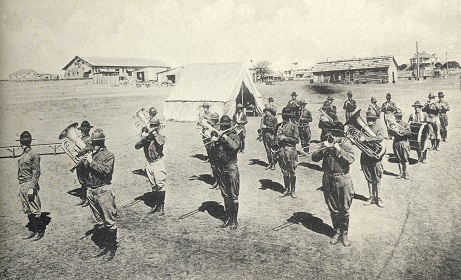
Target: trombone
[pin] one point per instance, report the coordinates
(323, 115)
(215, 135)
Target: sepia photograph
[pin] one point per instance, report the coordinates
(230, 139)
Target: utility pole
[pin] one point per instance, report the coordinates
(446, 61)
(417, 62)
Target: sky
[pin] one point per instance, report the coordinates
(45, 35)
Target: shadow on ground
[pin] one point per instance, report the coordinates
(308, 221)
(256, 161)
(269, 184)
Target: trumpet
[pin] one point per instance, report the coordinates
(323, 115)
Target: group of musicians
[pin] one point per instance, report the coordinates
(95, 169)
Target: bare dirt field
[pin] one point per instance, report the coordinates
(416, 236)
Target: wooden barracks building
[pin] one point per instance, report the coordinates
(378, 69)
(109, 70)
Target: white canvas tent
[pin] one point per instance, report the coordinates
(222, 85)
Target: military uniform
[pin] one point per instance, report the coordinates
(100, 165)
(240, 118)
(419, 117)
(372, 167)
(268, 130)
(432, 110)
(287, 138)
(327, 125)
(401, 148)
(82, 174)
(152, 145)
(272, 107)
(337, 185)
(444, 108)
(304, 129)
(223, 155)
(349, 106)
(28, 177)
(388, 108)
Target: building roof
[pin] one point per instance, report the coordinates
(24, 72)
(119, 62)
(354, 64)
(424, 55)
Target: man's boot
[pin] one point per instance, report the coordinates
(437, 143)
(234, 222)
(229, 213)
(286, 181)
(344, 230)
(112, 245)
(31, 226)
(100, 238)
(293, 186)
(161, 203)
(40, 228)
(337, 237)
(154, 197)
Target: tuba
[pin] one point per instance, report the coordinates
(72, 144)
(356, 128)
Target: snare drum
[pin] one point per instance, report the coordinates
(419, 139)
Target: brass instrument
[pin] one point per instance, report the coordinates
(141, 123)
(72, 144)
(358, 128)
(394, 126)
(323, 115)
(212, 135)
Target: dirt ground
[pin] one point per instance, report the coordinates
(416, 236)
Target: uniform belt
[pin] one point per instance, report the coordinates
(96, 187)
(154, 160)
(336, 174)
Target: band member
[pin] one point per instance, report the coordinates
(271, 105)
(152, 143)
(240, 119)
(388, 108)
(223, 155)
(304, 128)
(374, 108)
(328, 118)
(204, 113)
(214, 122)
(419, 117)
(82, 175)
(349, 105)
(28, 176)
(372, 167)
(294, 105)
(337, 156)
(268, 130)
(152, 112)
(444, 108)
(287, 137)
(401, 133)
(100, 165)
(432, 110)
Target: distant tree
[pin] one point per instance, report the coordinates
(438, 65)
(262, 68)
(403, 67)
(451, 64)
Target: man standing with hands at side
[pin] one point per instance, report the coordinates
(349, 105)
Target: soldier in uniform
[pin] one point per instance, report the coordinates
(374, 108)
(152, 143)
(337, 156)
(432, 110)
(401, 146)
(214, 122)
(388, 108)
(223, 155)
(82, 175)
(349, 105)
(419, 117)
(304, 128)
(100, 165)
(444, 108)
(329, 120)
(287, 137)
(152, 112)
(271, 105)
(268, 129)
(28, 176)
(240, 119)
(372, 167)
(294, 105)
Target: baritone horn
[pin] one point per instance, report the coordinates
(358, 128)
(323, 115)
(72, 144)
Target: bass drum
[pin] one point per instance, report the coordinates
(419, 139)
